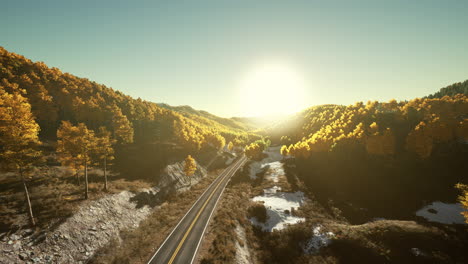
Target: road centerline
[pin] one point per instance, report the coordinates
(200, 211)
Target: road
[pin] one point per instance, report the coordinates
(182, 244)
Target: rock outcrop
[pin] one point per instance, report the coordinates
(173, 178)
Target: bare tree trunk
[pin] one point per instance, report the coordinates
(77, 174)
(86, 178)
(31, 217)
(105, 173)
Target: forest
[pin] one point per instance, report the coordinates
(50, 118)
(399, 152)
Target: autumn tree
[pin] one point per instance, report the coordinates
(75, 146)
(214, 140)
(18, 137)
(381, 143)
(253, 150)
(104, 150)
(419, 141)
(463, 198)
(230, 146)
(190, 166)
(188, 135)
(284, 150)
(123, 129)
(68, 149)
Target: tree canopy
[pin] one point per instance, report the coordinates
(190, 166)
(56, 96)
(383, 128)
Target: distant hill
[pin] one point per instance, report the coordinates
(189, 111)
(453, 89)
(257, 122)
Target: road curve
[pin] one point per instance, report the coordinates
(182, 244)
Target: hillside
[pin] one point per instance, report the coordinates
(189, 112)
(451, 90)
(406, 152)
(311, 119)
(55, 96)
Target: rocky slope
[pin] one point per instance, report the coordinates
(95, 223)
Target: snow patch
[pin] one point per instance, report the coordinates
(272, 160)
(255, 167)
(444, 213)
(242, 251)
(275, 170)
(272, 190)
(279, 206)
(318, 240)
(417, 252)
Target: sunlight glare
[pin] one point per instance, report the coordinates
(272, 89)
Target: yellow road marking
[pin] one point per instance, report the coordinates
(194, 221)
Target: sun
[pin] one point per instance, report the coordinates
(272, 89)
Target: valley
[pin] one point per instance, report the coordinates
(91, 175)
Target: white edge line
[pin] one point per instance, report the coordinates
(209, 218)
(182, 219)
(188, 211)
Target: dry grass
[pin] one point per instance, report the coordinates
(219, 243)
(391, 241)
(55, 194)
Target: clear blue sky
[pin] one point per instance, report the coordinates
(195, 52)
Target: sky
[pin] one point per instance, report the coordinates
(199, 53)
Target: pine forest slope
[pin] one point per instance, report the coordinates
(56, 96)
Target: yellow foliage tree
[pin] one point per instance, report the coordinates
(373, 128)
(190, 166)
(284, 150)
(434, 121)
(18, 137)
(123, 129)
(463, 198)
(215, 140)
(419, 141)
(254, 150)
(75, 145)
(381, 144)
(230, 146)
(104, 150)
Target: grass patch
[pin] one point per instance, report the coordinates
(219, 243)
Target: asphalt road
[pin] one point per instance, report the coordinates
(182, 244)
